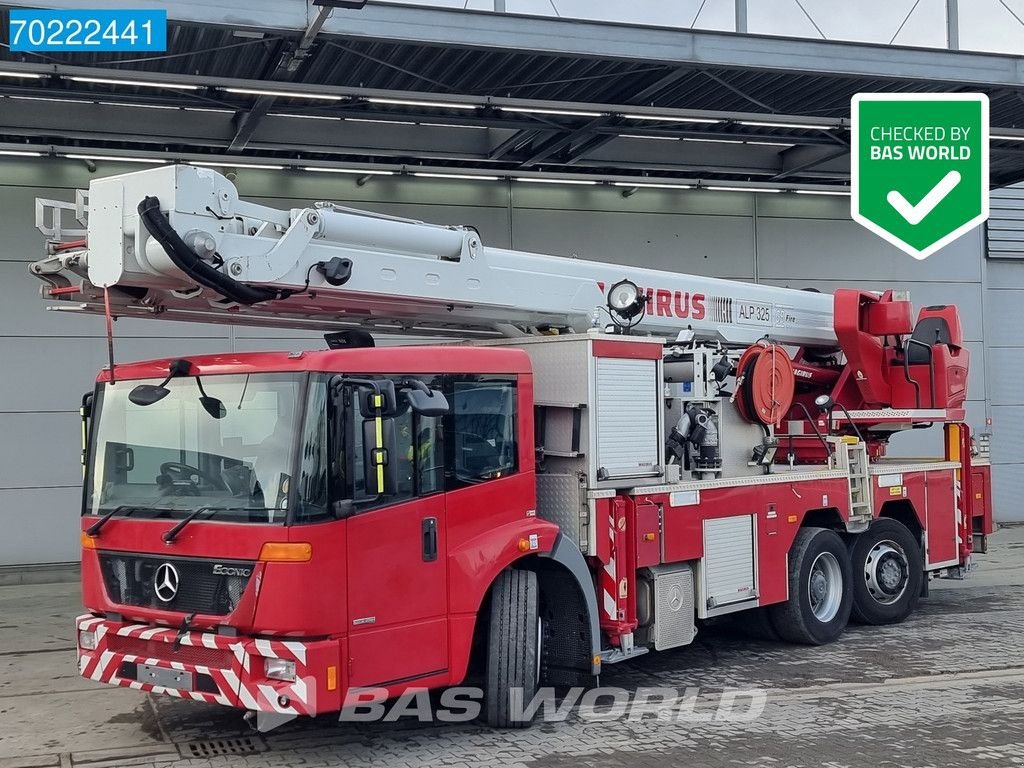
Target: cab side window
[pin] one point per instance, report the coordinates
(483, 429)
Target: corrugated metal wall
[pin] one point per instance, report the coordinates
(799, 241)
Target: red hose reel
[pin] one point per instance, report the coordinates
(765, 384)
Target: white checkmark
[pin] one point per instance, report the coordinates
(915, 214)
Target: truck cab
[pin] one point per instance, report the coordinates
(270, 530)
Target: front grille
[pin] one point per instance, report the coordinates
(217, 658)
(142, 580)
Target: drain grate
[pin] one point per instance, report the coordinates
(239, 745)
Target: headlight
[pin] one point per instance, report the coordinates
(87, 639)
(279, 669)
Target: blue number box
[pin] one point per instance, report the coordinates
(87, 30)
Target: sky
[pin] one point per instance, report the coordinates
(985, 25)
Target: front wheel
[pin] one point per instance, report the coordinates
(513, 649)
(820, 597)
(888, 570)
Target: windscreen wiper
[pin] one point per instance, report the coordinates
(172, 534)
(126, 509)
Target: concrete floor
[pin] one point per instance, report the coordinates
(944, 688)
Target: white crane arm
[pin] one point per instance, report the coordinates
(216, 258)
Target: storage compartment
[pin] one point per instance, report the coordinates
(728, 573)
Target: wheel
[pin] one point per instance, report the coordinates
(888, 572)
(820, 596)
(513, 649)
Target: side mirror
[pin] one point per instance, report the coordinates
(379, 457)
(213, 406)
(431, 403)
(147, 394)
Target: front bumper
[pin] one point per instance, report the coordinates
(221, 669)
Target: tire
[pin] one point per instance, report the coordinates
(888, 573)
(513, 648)
(820, 564)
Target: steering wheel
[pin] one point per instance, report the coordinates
(179, 473)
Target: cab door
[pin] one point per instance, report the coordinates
(397, 594)
(396, 551)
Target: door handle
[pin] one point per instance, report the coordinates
(429, 538)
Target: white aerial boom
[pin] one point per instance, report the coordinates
(177, 242)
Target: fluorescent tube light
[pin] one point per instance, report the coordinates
(116, 159)
(353, 171)
(651, 185)
(230, 163)
(673, 119)
(20, 153)
(655, 138)
(283, 94)
(468, 176)
(544, 111)
(742, 189)
(537, 180)
(804, 126)
(418, 103)
(821, 192)
(135, 83)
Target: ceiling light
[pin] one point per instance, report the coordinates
(116, 159)
(132, 104)
(714, 141)
(305, 117)
(453, 125)
(821, 192)
(209, 109)
(20, 153)
(370, 120)
(742, 189)
(769, 143)
(230, 163)
(134, 83)
(1007, 138)
(283, 94)
(667, 119)
(542, 111)
(469, 176)
(417, 103)
(539, 180)
(354, 171)
(51, 98)
(803, 126)
(656, 138)
(31, 75)
(651, 185)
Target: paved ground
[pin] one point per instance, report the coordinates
(943, 689)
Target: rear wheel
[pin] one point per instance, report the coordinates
(820, 598)
(888, 571)
(513, 649)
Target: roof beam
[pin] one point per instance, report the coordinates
(577, 37)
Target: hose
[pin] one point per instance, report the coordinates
(187, 261)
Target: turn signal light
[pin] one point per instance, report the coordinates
(286, 552)
(88, 542)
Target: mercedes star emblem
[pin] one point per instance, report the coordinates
(165, 582)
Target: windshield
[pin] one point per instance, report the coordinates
(230, 453)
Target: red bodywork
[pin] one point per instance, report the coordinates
(367, 611)
(362, 567)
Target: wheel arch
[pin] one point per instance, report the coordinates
(903, 511)
(824, 517)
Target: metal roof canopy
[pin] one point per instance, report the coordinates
(494, 76)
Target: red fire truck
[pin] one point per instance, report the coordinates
(594, 461)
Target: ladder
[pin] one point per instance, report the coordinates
(852, 457)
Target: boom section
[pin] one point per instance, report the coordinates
(327, 267)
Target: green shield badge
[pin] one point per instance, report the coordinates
(919, 167)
